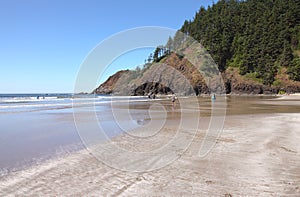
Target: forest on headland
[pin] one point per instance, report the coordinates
(255, 44)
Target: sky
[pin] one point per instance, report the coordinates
(43, 43)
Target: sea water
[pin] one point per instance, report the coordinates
(36, 127)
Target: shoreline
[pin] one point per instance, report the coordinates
(247, 159)
(207, 95)
(219, 173)
(65, 152)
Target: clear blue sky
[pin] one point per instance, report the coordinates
(44, 42)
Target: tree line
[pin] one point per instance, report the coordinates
(257, 36)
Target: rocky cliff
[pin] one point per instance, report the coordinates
(176, 74)
(109, 85)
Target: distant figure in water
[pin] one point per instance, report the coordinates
(38, 97)
(213, 97)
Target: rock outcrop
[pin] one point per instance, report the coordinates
(108, 86)
(176, 74)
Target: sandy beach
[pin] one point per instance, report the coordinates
(160, 98)
(257, 154)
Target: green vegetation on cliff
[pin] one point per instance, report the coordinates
(256, 36)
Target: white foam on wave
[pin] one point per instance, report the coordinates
(70, 102)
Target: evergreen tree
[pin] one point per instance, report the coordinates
(251, 35)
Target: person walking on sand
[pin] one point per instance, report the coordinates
(173, 98)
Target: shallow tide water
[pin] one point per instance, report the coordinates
(33, 130)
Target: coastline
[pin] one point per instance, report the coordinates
(246, 160)
(290, 96)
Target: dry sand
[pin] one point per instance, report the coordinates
(255, 155)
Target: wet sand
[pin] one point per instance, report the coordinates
(257, 154)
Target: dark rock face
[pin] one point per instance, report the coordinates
(149, 87)
(201, 88)
(270, 90)
(246, 89)
(236, 87)
(292, 88)
(236, 84)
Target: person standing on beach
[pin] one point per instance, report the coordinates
(213, 97)
(153, 95)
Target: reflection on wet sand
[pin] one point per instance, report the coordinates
(257, 153)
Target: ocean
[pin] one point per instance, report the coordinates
(37, 127)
